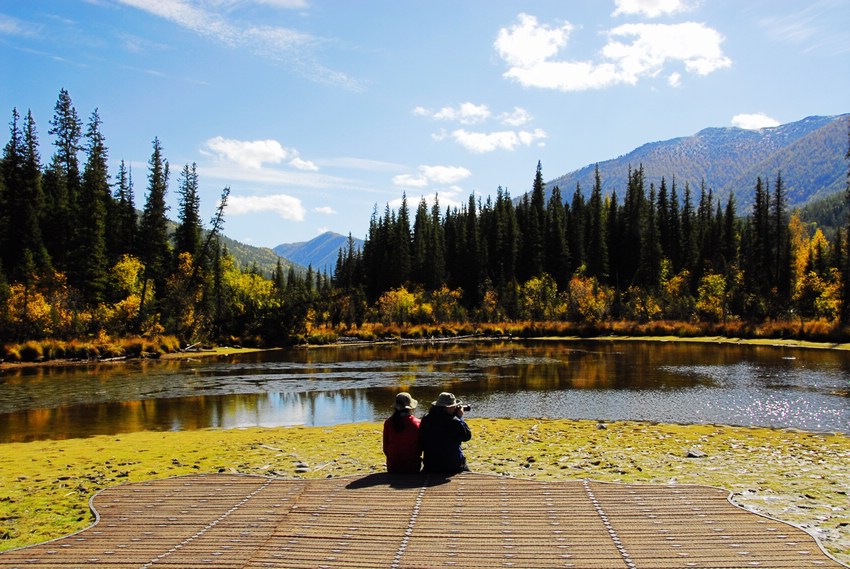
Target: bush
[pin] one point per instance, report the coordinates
(31, 352)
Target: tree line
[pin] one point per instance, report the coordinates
(655, 253)
(78, 260)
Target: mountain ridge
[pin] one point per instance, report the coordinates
(808, 153)
(320, 253)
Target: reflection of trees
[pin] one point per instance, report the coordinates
(346, 384)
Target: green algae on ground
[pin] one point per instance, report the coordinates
(798, 477)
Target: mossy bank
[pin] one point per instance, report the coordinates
(793, 476)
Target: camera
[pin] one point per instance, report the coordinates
(464, 407)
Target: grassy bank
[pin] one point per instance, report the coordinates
(797, 477)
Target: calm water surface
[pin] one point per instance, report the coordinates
(807, 389)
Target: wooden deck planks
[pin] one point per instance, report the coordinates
(470, 520)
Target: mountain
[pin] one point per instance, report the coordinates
(262, 257)
(809, 154)
(320, 252)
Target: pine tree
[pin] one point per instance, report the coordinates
(688, 232)
(88, 268)
(505, 241)
(187, 236)
(662, 211)
(576, 216)
(782, 245)
(597, 238)
(632, 230)
(729, 247)
(557, 258)
(534, 230)
(436, 248)
(125, 219)
(401, 256)
(472, 255)
(675, 239)
(63, 180)
(155, 249)
(422, 229)
(22, 203)
(651, 252)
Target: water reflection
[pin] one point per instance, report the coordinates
(674, 382)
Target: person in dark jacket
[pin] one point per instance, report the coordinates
(401, 437)
(442, 431)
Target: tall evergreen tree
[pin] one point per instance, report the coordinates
(729, 247)
(88, 268)
(597, 237)
(155, 248)
(472, 254)
(688, 232)
(781, 265)
(632, 229)
(401, 242)
(422, 229)
(675, 239)
(662, 209)
(437, 248)
(556, 245)
(651, 253)
(63, 180)
(534, 230)
(187, 235)
(125, 222)
(21, 202)
(505, 241)
(576, 216)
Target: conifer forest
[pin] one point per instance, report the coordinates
(80, 259)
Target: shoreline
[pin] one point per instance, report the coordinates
(794, 476)
(229, 350)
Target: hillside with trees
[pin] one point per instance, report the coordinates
(78, 264)
(809, 153)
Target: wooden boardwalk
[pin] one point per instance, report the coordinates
(470, 520)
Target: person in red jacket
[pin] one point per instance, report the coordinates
(401, 437)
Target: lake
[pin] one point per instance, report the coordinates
(677, 382)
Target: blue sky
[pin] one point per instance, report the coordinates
(315, 111)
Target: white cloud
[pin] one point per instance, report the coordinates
(302, 164)
(325, 210)
(359, 164)
(674, 79)
(410, 181)
(812, 26)
(649, 8)
(754, 121)
(287, 207)
(247, 153)
(466, 113)
(483, 142)
(633, 51)
(451, 197)
(428, 175)
(284, 45)
(478, 142)
(517, 117)
(445, 174)
(527, 43)
(13, 27)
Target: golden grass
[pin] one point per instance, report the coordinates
(797, 477)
